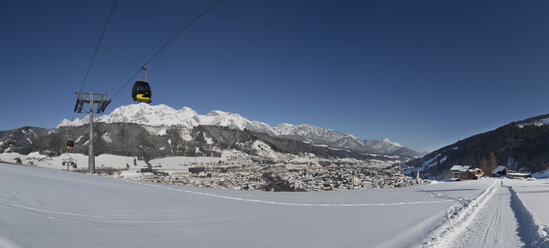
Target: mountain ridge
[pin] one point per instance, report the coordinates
(146, 143)
(164, 115)
(519, 145)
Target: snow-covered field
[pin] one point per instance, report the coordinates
(51, 208)
(168, 164)
(101, 161)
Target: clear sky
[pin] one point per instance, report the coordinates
(421, 73)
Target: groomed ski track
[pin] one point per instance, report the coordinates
(48, 208)
(495, 218)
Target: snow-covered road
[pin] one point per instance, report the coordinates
(495, 218)
(49, 208)
(493, 224)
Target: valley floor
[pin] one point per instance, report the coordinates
(49, 208)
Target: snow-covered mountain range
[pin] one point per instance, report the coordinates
(163, 115)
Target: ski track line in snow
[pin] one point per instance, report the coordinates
(533, 233)
(459, 217)
(139, 219)
(108, 216)
(109, 220)
(291, 203)
(495, 225)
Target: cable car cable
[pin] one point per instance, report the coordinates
(98, 44)
(70, 143)
(166, 44)
(97, 48)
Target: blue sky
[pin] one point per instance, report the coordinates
(422, 73)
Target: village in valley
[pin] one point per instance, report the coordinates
(277, 172)
(307, 177)
(236, 170)
(282, 177)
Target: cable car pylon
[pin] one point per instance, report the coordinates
(91, 99)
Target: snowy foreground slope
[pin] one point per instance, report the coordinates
(49, 208)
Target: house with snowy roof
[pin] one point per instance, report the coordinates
(465, 172)
(460, 171)
(518, 175)
(499, 171)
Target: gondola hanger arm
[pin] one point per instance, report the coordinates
(146, 72)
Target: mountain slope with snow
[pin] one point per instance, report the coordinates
(163, 115)
(146, 142)
(517, 145)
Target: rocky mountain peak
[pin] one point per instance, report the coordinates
(165, 116)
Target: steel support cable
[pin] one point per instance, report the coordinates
(96, 49)
(166, 44)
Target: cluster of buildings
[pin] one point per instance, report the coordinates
(502, 171)
(285, 177)
(467, 172)
(345, 177)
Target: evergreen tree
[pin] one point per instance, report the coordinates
(482, 164)
(492, 163)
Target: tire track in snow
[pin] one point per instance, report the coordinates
(530, 230)
(135, 219)
(495, 225)
(459, 218)
(499, 218)
(290, 203)
(107, 219)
